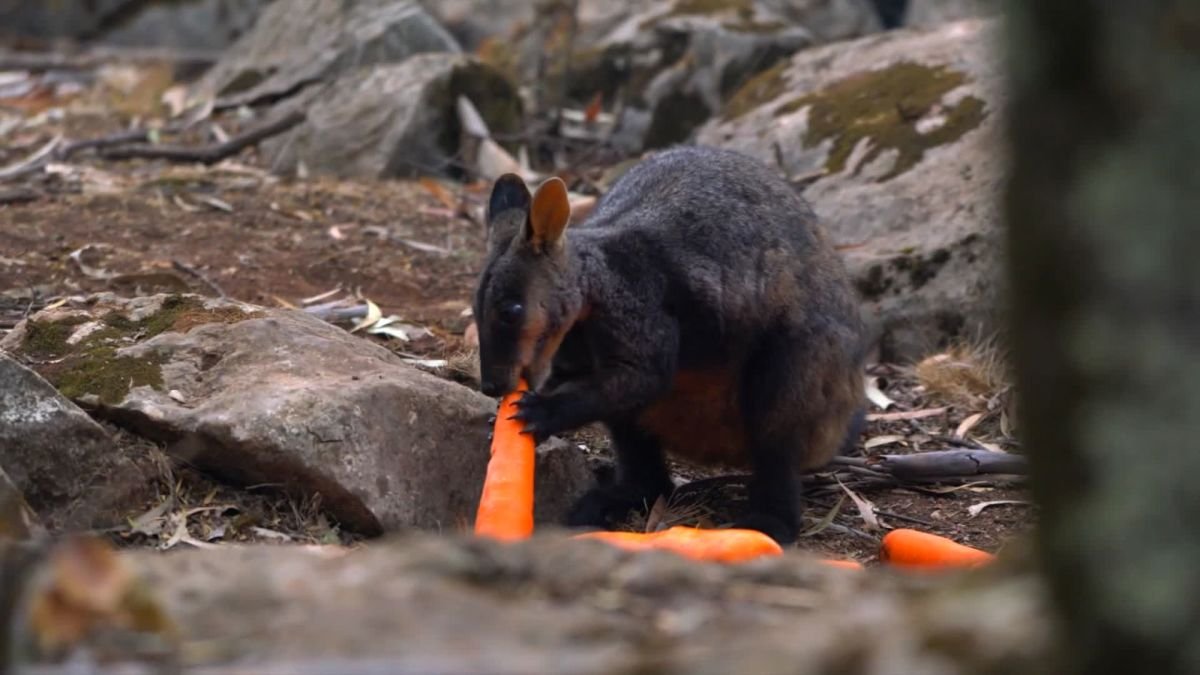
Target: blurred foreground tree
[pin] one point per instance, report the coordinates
(1104, 234)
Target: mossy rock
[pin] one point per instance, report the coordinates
(884, 106)
(90, 365)
(764, 87)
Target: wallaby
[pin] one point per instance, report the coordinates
(698, 311)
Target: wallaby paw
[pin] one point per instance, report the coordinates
(608, 507)
(782, 532)
(538, 414)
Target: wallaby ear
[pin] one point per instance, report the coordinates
(509, 192)
(549, 214)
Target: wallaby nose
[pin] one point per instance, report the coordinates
(490, 388)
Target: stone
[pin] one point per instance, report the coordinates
(895, 139)
(17, 519)
(298, 43)
(64, 463)
(260, 396)
(672, 63)
(926, 13)
(203, 25)
(393, 119)
(428, 604)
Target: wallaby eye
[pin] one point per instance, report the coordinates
(512, 312)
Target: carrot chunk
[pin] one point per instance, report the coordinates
(506, 505)
(726, 546)
(914, 549)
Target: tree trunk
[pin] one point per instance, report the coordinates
(1104, 232)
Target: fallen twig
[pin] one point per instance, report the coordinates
(17, 196)
(906, 415)
(932, 465)
(199, 276)
(207, 154)
(96, 57)
(33, 162)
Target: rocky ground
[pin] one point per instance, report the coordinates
(274, 346)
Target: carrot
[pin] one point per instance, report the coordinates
(506, 505)
(846, 564)
(922, 550)
(727, 546)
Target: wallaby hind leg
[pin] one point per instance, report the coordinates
(782, 404)
(641, 477)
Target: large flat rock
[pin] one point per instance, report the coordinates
(64, 463)
(897, 139)
(425, 604)
(276, 397)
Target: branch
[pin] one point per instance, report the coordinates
(207, 154)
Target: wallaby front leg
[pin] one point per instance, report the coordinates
(623, 382)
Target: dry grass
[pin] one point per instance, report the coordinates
(193, 507)
(967, 375)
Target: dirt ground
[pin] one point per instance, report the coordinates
(281, 242)
(413, 248)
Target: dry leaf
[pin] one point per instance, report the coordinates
(876, 395)
(878, 441)
(320, 296)
(439, 192)
(423, 247)
(906, 415)
(594, 108)
(826, 520)
(976, 509)
(865, 508)
(218, 204)
(654, 518)
(373, 315)
(968, 424)
(283, 303)
(471, 336)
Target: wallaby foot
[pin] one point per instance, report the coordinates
(783, 532)
(609, 506)
(642, 477)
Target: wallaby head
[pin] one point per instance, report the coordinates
(528, 294)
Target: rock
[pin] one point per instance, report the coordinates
(471, 22)
(266, 396)
(298, 43)
(672, 63)
(17, 520)
(924, 13)
(65, 465)
(898, 139)
(427, 604)
(208, 25)
(394, 119)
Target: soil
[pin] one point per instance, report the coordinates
(411, 247)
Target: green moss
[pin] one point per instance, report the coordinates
(744, 8)
(93, 367)
(884, 106)
(100, 372)
(763, 87)
(751, 26)
(48, 339)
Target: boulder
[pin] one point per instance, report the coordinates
(471, 22)
(65, 464)
(671, 63)
(208, 25)
(298, 43)
(17, 519)
(276, 397)
(923, 13)
(895, 139)
(393, 119)
(427, 604)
